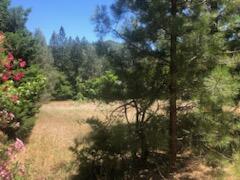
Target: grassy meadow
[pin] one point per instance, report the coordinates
(47, 154)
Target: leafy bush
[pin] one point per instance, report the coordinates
(22, 44)
(21, 98)
(9, 169)
(105, 87)
(63, 89)
(20, 91)
(113, 152)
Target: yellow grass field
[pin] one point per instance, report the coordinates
(47, 153)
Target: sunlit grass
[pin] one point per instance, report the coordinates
(47, 155)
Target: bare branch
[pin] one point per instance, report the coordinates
(119, 108)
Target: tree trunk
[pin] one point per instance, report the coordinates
(173, 92)
(142, 137)
(144, 146)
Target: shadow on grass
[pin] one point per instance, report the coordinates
(113, 152)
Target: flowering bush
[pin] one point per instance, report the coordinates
(20, 89)
(9, 169)
(7, 119)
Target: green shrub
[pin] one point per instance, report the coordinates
(26, 128)
(105, 87)
(113, 152)
(22, 44)
(21, 88)
(63, 89)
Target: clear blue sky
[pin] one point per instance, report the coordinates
(73, 15)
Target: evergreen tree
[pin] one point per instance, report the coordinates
(58, 44)
(181, 36)
(21, 44)
(44, 60)
(17, 19)
(4, 14)
(12, 19)
(62, 37)
(53, 44)
(76, 58)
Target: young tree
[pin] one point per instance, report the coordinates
(178, 35)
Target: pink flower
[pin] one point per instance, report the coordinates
(10, 151)
(14, 98)
(18, 76)
(10, 57)
(11, 116)
(22, 63)
(5, 77)
(5, 174)
(8, 66)
(19, 145)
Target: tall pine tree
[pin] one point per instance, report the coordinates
(181, 36)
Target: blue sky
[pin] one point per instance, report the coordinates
(73, 15)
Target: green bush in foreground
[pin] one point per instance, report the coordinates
(114, 152)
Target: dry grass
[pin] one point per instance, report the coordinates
(47, 153)
(196, 170)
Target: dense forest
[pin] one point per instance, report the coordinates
(171, 76)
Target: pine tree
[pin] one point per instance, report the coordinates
(61, 37)
(181, 36)
(173, 86)
(17, 19)
(58, 45)
(4, 14)
(44, 60)
(12, 19)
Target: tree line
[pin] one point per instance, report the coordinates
(77, 59)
